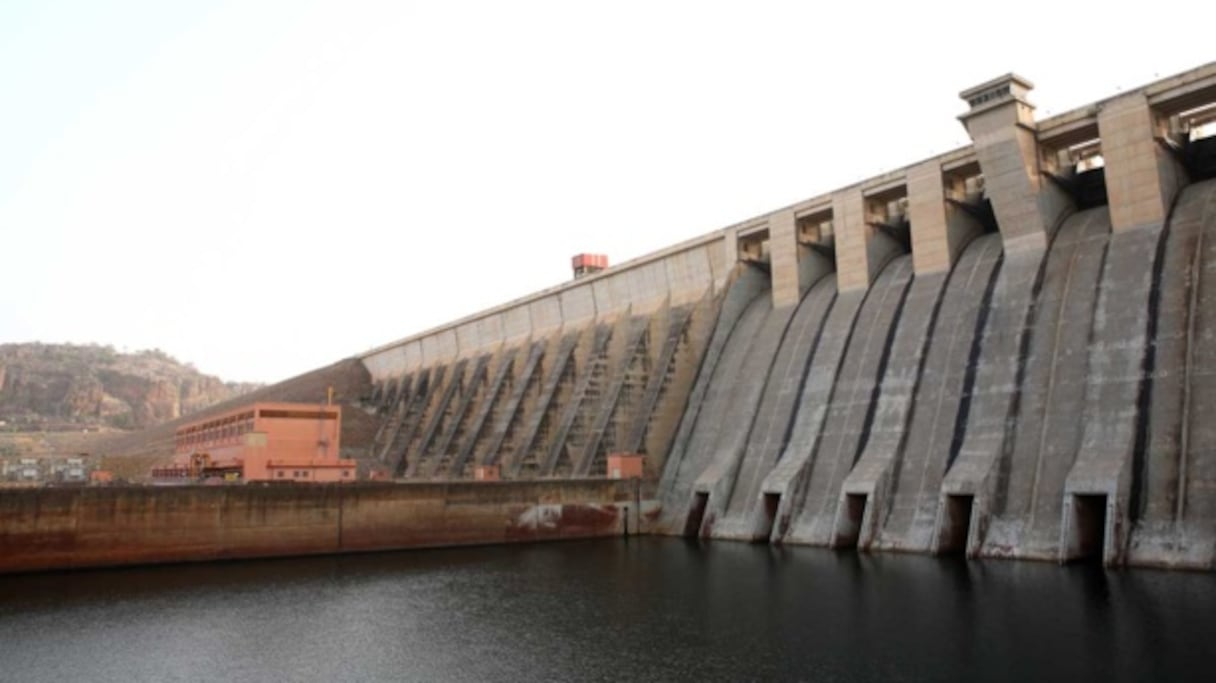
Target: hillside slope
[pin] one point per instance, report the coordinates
(67, 386)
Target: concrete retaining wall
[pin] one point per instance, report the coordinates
(44, 529)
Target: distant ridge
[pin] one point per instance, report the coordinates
(60, 387)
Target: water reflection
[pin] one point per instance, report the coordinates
(627, 609)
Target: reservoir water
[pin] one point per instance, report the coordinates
(640, 609)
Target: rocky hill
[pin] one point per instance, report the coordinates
(67, 386)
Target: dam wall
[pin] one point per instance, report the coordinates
(1009, 356)
(74, 528)
(1005, 350)
(548, 385)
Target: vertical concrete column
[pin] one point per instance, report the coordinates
(783, 253)
(853, 269)
(730, 248)
(932, 251)
(1141, 177)
(940, 230)
(1001, 124)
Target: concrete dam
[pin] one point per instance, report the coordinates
(1007, 350)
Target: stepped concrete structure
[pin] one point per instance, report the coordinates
(1008, 350)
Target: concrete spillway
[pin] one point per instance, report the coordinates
(715, 426)
(906, 502)
(982, 384)
(745, 517)
(1172, 495)
(1005, 351)
(1038, 445)
(845, 423)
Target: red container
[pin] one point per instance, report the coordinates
(590, 262)
(625, 466)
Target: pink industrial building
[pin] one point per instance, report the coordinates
(263, 442)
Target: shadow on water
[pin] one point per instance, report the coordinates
(228, 576)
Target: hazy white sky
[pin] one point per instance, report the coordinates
(261, 188)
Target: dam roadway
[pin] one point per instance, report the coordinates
(1007, 351)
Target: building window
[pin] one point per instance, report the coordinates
(280, 474)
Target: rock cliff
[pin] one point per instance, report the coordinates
(59, 386)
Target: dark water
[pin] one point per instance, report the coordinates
(611, 610)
